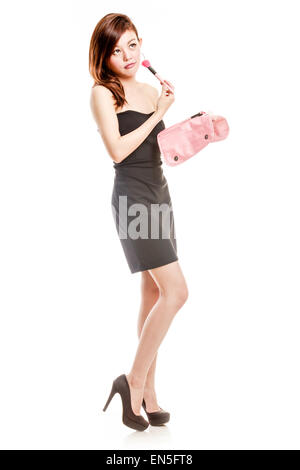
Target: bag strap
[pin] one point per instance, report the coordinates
(198, 114)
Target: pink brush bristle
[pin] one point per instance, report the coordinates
(146, 63)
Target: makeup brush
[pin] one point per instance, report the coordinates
(146, 63)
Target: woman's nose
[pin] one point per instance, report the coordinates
(126, 56)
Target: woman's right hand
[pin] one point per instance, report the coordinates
(166, 98)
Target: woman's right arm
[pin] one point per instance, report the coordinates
(118, 147)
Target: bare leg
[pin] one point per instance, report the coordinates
(173, 294)
(149, 297)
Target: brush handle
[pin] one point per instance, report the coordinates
(159, 78)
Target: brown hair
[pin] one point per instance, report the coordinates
(106, 34)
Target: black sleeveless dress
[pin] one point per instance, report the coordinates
(141, 203)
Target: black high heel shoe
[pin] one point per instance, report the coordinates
(120, 385)
(157, 418)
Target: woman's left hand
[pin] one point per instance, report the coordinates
(169, 84)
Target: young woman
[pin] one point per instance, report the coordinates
(129, 117)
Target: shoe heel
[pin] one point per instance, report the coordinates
(112, 393)
(121, 386)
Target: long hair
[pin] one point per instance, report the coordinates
(105, 35)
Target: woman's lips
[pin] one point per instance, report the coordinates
(129, 65)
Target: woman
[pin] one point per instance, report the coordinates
(129, 116)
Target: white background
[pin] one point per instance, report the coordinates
(228, 369)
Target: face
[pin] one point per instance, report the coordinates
(126, 51)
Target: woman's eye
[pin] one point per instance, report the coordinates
(132, 44)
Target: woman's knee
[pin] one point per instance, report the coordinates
(184, 293)
(171, 283)
(176, 294)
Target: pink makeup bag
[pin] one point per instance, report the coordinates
(182, 141)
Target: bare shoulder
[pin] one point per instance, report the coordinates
(101, 98)
(150, 89)
(100, 91)
(152, 92)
